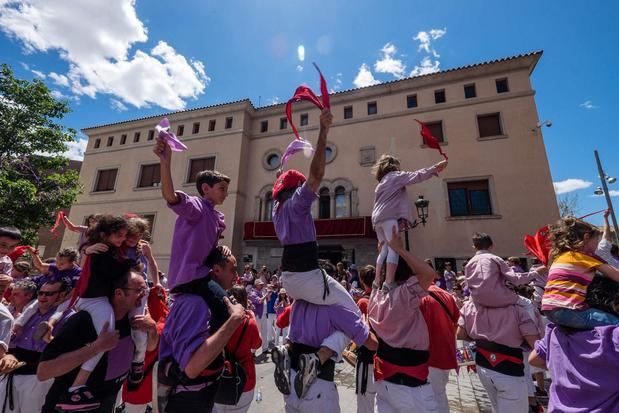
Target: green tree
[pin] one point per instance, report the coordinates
(34, 180)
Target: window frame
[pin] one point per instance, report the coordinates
(195, 128)
(348, 110)
(373, 104)
(228, 124)
(500, 123)
(468, 87)
(141, 175)
(197, 158)
(180, 130)
(469, 186)
(212, 123)
(501, 80)
(303, 119)
(97, 143)
(110, 141)
(151, 135)
(123, 139)
(438, 93)
(98, 173)
(283, 123)
(136, 137)
(430, 124)
(408, 100)
(322, 196)
(264, 126)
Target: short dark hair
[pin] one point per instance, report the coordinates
(481, 241)
(27, 285)
(210, 178)
(603, 294)
(402, 272)
(217, 257)
(367, 275)
(10, 232)
(65, 284)
(122, 282)
(69, 253)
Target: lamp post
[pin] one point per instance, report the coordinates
(421, 205)
(605, 178)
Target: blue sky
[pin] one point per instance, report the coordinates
(119, 59)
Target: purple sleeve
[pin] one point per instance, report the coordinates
(350, 323)
(302, 199)
(189, 329)
(541, 346)
(408, 178)
(189, 207)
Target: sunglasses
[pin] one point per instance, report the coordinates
(47, 293)
(138, 290)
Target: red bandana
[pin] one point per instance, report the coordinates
(430, 140)
(305, 93)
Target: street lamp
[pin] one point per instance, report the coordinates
(604, 190)
(422, 212)
(540, 125)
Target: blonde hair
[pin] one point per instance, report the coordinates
(568, 234)
(137, 226)
(384, 165)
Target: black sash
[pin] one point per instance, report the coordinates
(300, 257)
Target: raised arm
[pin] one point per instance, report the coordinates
(606, 235)
(425, 274)
(70, 225)
(36, 260)
(162, 149)
(519, 278)
(317, 167)
(609, 272)
(153, 268)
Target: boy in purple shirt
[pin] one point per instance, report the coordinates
(302, 278)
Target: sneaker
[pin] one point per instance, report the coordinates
(78, 400)
(136, 375)
(280, 357)
(308, 371)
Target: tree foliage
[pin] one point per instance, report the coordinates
(568, 204)
(34, 179)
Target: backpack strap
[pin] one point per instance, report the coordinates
(436, 297)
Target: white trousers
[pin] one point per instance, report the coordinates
(321, 397)
(28, 393)
(438, 379)
(271, 328)
(508, 394)
(397, 398)
(135, 408)
(367, 401)
(384, 233)
(263, 324)
(241, 407)
(309, 286)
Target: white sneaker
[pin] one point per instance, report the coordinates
(280, 357)
(308, 371)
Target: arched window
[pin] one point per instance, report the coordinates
(268, 207)
(342, 203)
(324, 204)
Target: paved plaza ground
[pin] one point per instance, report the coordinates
(465, 392)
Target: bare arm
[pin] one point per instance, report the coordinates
(606, 234)
(537, 361)
(66, 362)
(162, 149)
(461, 334)
(213, 346)
(147, 324)
(153, 268)
(36, 260)
(425, 274)
(609, 271)
(317, 167)
(518, 278)
(70, 225)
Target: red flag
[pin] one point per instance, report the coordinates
(430, 140)
(59, 217)
(19, 251)
(539, 245)
(305, 93)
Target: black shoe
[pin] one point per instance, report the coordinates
(280, 357)
(79, 400)
(136, 375)
(308, 371)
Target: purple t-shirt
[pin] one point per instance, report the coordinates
(186, 328)
(293, 219)
(196, 232)
(25, 339)
(254, 297)
(55, 275)
(310, 323)
(583, 366)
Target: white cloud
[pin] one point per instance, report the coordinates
(273, 100)
(60, 80)
(56, 94)
(299, 68)
(118, 106)
(570, 185)
(364, 77)
(336, 84)
(95, 38)
(587, 104)
(426, 66)
(425, 40)
(38, 74)
(75, 150)
(301, 53)
(387, 63)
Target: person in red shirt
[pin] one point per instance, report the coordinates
(137, 400)
(242, 348)
(440, 310)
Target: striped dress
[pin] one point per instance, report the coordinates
(568, 279)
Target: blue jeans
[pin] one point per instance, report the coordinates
(582, 319)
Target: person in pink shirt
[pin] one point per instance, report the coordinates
(392, 208)
(486, 274)
(401, 361)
